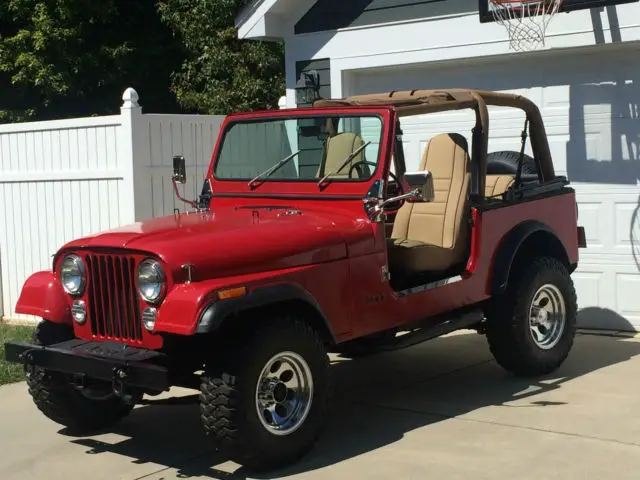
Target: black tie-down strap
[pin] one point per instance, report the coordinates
(523, 136)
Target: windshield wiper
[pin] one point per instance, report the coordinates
(344, 162)
(272, 169)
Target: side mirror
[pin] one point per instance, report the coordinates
(422, 182)
(180, 177)
(179, 170)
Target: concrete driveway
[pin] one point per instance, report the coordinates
(439, 410)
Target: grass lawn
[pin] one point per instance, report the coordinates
(12, 372)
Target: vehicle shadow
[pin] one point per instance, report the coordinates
(378, 400)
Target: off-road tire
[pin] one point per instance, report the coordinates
(60, 401)
(505, 162)
(507, 315)
(228, 408)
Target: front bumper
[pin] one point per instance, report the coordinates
(123, 365)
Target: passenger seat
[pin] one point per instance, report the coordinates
(434, 236)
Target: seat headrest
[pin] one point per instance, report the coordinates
(338, 147)
(444, 144)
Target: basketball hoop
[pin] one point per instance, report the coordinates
(526, 21)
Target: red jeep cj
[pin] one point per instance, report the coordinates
(310, 237)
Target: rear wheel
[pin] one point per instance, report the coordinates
(264, 402)
(91, 407)
(531, 327)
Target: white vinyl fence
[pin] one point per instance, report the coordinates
(64, 179)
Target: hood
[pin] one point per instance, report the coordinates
(237, 240)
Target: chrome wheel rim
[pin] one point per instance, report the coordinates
(547, 316)
(284, 393)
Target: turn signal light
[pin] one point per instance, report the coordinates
(232, 293)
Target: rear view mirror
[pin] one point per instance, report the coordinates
(179, 169)
(422, 182)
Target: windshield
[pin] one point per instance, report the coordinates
(309, 148)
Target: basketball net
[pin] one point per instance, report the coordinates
(526, 21)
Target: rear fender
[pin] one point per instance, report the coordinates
(42, 295)
(511, 245)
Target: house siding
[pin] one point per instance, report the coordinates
(307, 159)
(327, 15)
(330, 15)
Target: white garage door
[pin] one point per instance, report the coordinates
(590, 107)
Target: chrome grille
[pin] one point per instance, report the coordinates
(113, 310)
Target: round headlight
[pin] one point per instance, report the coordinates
(73, 275)
(150, 279)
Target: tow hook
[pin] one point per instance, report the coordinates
(29, 364)
(118, 383)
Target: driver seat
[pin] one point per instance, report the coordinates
(336, 149)
(434, 236)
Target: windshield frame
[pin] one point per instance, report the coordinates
(236, 186)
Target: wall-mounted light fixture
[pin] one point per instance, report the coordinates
(308, 87)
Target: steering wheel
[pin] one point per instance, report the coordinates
(391, 207)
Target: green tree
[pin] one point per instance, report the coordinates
(64, 58)
(222, 74)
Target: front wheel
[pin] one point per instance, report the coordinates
(531, 327)
(92, 407)
(264, 403)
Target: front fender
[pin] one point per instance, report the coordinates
(179, 311)
(217, 311)
(195, 308)
(42, 295)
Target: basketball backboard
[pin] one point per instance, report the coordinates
(485, 6)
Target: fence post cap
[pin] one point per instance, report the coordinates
(130, 98)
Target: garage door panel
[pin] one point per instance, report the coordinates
(607, 298)
(613, 289)
(597, 141)
(610, 219)
(553, 96)
(590, 214)
(627, 286)
(413, 147)
(558, 150)
(607, 279)
(626, 224)
(590, 283)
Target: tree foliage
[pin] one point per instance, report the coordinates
(221, 73)
(65, 58)
(62, 58)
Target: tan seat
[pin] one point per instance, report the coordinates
(337, 148)
(434, 235)
(497, 184)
